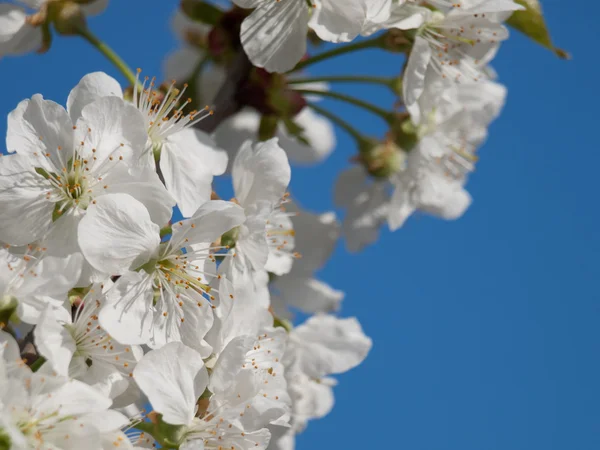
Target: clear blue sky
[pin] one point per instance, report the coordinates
(485, 329)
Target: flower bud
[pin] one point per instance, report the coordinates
(382, 159)
(68, 17)
(397, 41)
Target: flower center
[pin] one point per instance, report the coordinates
(164, 112)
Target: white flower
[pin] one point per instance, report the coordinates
(174, 378)
(429, 184)
(316, 237)
(366, 202)
(334, 22)
(265, 241)
(81, 349)
(453, 125)
(167, 297)
(45, 411)
(454, 47)
(36, 282)
(260, 355)
(274, 35)
(20, 24)
(318, 133)
(188, 157)
(60, 169)
(322, 346)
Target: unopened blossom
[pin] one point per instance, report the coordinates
(188, 157)
(164, 291)
(80, 348)
(174, 378)
(60, 167)
(316, 237)
(21, 23)
(40, 410)
(274, 34)
(32, 282)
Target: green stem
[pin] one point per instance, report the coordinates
(109, 54)
(360, 139)
(339, 50)
(342, 79)
(385, 115)
(165, 231)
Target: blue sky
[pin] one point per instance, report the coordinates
(485, 329)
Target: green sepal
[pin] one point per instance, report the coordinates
(295, 130)
(530, 22)
(267, 127)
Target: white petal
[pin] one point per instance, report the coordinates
(260, 173)
(316, 236)
(336, 22)
(180, 64)
(105, 378)
(236, 316)
(62, 238)
(26, 214)
(16, 36)
(91, 87)
(144, 185)
(326, 345)
(54, 342)
(39, 127)
(274, 35)
(189, 160)
(414, 76)
(127, 314)
(173, 378)
(401, 206)
(319, 133)
(208, 223)
(313, 400)
(236, 130)
(117, 234)
(73, 398)
(308, 294)
(367, 207)
(110, 127)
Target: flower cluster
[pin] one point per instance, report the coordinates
(126, 279)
